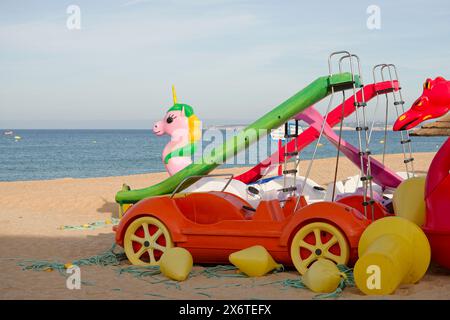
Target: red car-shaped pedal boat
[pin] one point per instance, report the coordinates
(212, 225)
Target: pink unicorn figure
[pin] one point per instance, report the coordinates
(183, 127)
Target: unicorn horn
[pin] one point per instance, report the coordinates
(174, 94)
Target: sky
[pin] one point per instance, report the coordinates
(232, 60)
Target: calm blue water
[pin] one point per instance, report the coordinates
(50, 154)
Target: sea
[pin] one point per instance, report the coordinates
(52, 154)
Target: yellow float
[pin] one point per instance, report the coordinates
(392, 251)
(323, 276)
(409, 200)
(254, 261)
(176, 263)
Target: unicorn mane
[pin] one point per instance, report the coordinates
(195, 132)
(194, 128)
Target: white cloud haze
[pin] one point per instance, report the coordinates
(231, 60)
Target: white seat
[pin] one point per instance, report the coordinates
(311, 191)
(217, 184)
(340, 189)
(267, 191)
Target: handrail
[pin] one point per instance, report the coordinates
(330, 70)
(381, 65)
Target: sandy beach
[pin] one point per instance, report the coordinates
(33, 211)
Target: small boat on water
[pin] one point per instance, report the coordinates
(17, 137)
(9, 132)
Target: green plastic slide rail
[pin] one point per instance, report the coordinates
(314, 92)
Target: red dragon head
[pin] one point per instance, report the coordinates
(433, 103)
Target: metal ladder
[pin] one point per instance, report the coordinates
(362, 132)
(399, 103)
(294, 160)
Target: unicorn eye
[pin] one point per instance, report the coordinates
(170, 118)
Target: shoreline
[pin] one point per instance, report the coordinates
(225, 170)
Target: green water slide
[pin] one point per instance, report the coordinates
(311, 94)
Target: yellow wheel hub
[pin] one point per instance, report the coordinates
(318, 240)
(146, 239)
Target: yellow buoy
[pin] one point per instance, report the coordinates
(68, 265)
(392, 251)
(254, 261)
(322, 276)
(176, 263)
(409, 200)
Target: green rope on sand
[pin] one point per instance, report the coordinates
(349, 278)
(92, 225)
(204, 294)
(140, 271)
(269, 283)
(223, 271)
(154, 295)
(42, 265)
(346, 281)
(207, 287)
(232, 285)
(220, 271)
(294, 283)
(169, 283)
(108, 258)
